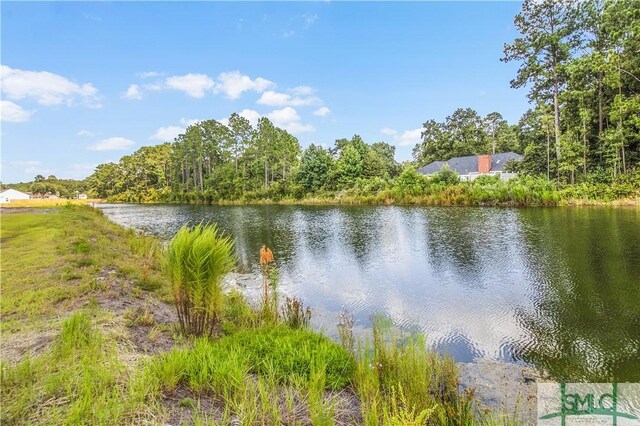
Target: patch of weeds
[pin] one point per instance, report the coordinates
(78, 382)
(136, 292)
(96, 284)
(237, 313)
(155, 332)
(294, 313)
(196, 260)
(188, 403)
(81, 246)
(84, 262)
(397, 379)
(148, 284)
(138, 316)
(71, 276)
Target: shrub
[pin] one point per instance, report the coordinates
(446, 176)
(196, 261)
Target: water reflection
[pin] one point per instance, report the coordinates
(584, 321)
(558, 288)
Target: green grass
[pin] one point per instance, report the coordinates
(280, 353)
(50, 261)
(77, 382)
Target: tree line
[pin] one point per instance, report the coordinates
(211, 161)
(580, 61)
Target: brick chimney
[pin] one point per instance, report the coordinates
(484, 163)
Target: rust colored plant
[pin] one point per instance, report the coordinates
(266, 259)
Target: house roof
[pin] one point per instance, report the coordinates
(11, 191)
(469, 164)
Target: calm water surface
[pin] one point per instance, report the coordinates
(557, 288)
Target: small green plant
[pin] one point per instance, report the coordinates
(196, 260)
(400, 413)
(294, 314)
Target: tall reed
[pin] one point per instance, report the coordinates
(196, 260)
(269, 279)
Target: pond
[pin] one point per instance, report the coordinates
(558, 288)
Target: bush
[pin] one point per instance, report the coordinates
(196, 260)
(446, 176)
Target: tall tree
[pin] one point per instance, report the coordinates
(549, 34)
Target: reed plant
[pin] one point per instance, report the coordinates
(196, 260)
(269, 283)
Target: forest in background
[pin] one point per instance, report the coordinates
(580, 138)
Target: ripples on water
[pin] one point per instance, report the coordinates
(558, 288)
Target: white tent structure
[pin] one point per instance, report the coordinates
(11, 194)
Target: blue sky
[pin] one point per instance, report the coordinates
(86, 83)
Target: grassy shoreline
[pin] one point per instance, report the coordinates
(89, 336)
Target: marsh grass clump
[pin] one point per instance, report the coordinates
(294, 314)
(196, 260)
(398, 378)
(229, 366)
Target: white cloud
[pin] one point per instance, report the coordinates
(288, 34)
(302, 91)
(112, 144)
(407, 138)
(46, 88)
(86, 133)
(194, 85)
(155, 87)
(149, 74)
(189, 121)
(80, 170)
(309, 20)
(233, 84)
(322, 111)
(288, 119)
(168, 133)
(10, 111)
(133, 92)
(251, 115)
(273, 98)
(32, 167)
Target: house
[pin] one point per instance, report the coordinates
(472, 166)
(11, 194)
(82, 196)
